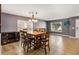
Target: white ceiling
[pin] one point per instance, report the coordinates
(45, 11)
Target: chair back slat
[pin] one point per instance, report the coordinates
(23, 35)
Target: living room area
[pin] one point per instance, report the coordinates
(40, 29)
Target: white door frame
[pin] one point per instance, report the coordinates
(77, 28)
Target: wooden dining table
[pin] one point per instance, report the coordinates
(37, 37)
(36, 33)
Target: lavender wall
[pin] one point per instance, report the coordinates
(69, 30)
(65, 29)
(0, 18)
(72, 27)
(9, 22)
(40, 24)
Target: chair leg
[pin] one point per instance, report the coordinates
(30, 46)
(45, 48)
(24, 46)
(45, 51)
(27, 47)
(21, 44)
(48, 46)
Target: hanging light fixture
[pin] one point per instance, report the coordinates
(33, 19)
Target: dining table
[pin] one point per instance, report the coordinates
(37, 37)
(36, 33)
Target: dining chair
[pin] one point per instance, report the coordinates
(37, 41)
(45, 42)
(26, 40)
(32, 41)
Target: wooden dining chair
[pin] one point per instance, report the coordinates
(37, 41)
(26, 40)
(32, 41)
(45, 41)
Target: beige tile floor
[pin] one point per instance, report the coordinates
(59, 45)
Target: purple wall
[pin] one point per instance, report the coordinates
(69, 30)
(40, 24)
(72, 27)
(9, 22)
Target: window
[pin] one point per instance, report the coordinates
(56, 26)
(21, 24)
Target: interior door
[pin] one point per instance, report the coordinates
(77, 28)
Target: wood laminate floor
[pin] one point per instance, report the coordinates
(59, 45)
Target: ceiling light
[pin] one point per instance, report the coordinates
(33, 19)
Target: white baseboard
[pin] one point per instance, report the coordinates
(67, 36)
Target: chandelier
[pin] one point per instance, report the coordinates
(32, 18)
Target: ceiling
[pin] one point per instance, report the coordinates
(45, 11)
